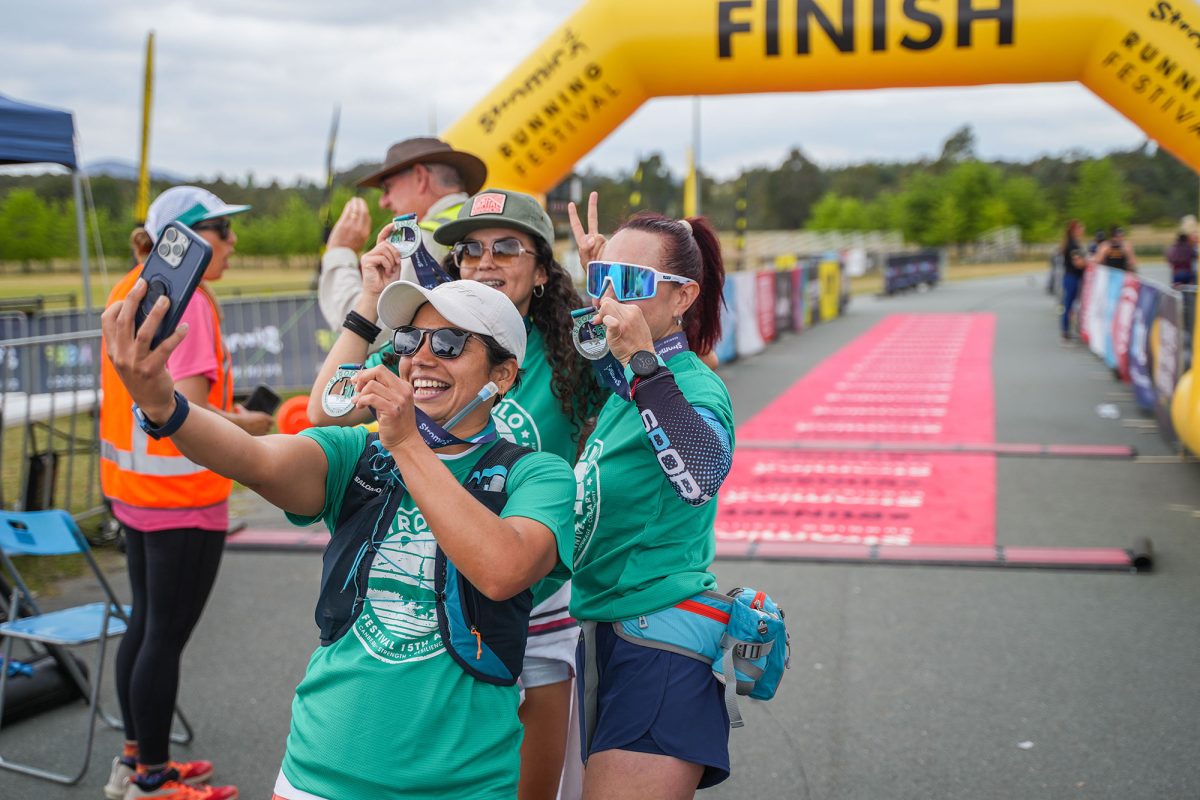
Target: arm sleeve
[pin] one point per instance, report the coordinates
(693, 447)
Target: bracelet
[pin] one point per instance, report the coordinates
(360, 326)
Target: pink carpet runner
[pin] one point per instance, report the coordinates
(919, 378)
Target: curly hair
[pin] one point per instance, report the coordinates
(573, 380)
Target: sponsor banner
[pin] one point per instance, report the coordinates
(798, 296)
(829, 273)
(764, 287)
(277, 341)
(1127, 302)
(749, 338)
(1165, 341)
(1141, 364)
(783, 300)
(726, 348)
(1085, 301)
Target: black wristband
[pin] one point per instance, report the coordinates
(359, 325)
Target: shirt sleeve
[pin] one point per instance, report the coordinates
(197, 353)
(342, 447)
(542, 488)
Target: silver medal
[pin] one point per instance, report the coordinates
(338, 399)
(589, 336)
(405, 235)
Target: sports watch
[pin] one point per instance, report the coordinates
(643, 363)
(167, 428)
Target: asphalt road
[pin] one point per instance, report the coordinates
(906, 682)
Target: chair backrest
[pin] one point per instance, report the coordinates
(39, 533)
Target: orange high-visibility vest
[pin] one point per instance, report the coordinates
(151, 473)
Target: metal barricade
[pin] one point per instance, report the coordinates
(49, 417)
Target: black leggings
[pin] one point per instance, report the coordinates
(171, 574)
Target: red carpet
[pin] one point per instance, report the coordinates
(923, 378)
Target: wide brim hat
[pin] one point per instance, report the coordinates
(429, 150)
(469, 305)
(498, 208)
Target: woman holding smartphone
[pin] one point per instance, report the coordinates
(648, 479)
(438, 529)
(173, 512)
(504, 240)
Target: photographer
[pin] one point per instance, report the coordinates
(437, 536)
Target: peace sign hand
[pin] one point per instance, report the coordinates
(590, 243)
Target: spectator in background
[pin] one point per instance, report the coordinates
(422, 176)
(1100, 238)
(1116, 252)
(174, 514)
(1182, 255)
(1074, 263)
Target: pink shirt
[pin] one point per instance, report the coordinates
(196, 355)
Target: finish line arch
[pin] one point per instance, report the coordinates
(1142, 57)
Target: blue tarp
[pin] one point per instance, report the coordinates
(32, 134)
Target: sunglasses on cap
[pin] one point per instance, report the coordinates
(221, 226)
(445, 343)
(629, 281)
(469, 253)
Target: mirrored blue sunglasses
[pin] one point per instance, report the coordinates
(629, 281)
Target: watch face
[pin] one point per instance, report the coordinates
(643, 363)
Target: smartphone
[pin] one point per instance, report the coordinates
(262, 399)
(174, 269)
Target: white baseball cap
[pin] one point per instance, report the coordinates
(187, 204)
(469, 305)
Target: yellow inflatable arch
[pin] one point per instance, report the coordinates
(589, 75)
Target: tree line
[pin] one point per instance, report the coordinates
(950, 200)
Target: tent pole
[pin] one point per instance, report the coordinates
(84, 267)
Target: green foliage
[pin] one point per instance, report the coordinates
(1098, 199)
(950, 200)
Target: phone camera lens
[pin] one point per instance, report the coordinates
(177, 249)
(171, 234)
(164, 250)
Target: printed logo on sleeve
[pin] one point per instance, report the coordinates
(488, 203)
(587, 497)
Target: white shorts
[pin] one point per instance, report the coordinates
(553, 635)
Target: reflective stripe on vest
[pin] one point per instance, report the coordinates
(149, 473)
(431, 224)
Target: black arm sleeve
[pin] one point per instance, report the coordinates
(692, 447)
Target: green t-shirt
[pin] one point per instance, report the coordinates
(530, 415)
(385, 712)
(638, 547)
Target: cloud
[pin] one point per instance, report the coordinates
(249, 85)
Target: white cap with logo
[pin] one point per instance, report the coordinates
(187, 204)
(469, 305)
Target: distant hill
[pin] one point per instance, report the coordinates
(128, 171)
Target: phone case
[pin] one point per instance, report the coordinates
(263, 399)
(174, 268)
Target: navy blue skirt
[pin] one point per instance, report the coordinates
(652, 701)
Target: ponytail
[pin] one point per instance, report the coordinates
(691, 249)
(141, 243)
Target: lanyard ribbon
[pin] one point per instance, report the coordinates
(610, 372)
(429, 271)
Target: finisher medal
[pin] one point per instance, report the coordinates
(338, 399)
(589, 336)
(405, 236)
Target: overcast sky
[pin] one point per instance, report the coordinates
(249, 86)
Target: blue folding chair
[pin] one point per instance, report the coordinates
(53, 533)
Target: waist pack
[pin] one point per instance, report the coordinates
(740, 634)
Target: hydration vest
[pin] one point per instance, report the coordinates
(486, 637)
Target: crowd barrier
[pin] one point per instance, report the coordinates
(904, 272)
(1143, 331)
(761, 305)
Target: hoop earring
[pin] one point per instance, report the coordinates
(539, 290)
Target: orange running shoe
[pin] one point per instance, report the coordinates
(166, 785)
(193, 773)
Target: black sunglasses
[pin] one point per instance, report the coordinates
(444, 343)
(504, 252)
(220, 226)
